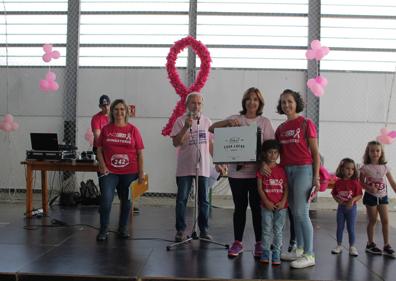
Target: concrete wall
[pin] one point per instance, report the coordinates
(351, 113)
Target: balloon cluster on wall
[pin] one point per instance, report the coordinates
(182, 90)
(48, 84)
(317, 52)
(8, 124)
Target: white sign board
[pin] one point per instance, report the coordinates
(235, 144)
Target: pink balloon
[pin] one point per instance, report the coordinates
(1, 125)
(325, 50)
(321, 80)
(44, 86)
(47, 48)
(53, 86)
(317, 51)
(320, 53)
(384, 139)
(7, 126)
(8, 118)
(315, 88)
(47, 57)
(311, 82)
(55, 54)
(309, 54)
(15, 126)
(50, 76)
(315, 44)
(392, 134)
(384, 131)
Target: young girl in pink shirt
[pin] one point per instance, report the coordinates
(347, 191)
(372, 176)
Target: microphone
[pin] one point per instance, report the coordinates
(195, 115)
(198, 116)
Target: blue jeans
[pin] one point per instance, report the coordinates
(183, 190)
(349, 215)
(299, 185)
(108, 184)
(272, 225)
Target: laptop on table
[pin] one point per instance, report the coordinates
(44, 141)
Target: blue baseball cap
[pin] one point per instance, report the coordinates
(104, 100)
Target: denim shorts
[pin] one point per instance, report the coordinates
(371, 200)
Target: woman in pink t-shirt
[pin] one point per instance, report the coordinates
(242, 178)
(300, 158)
(120, 156)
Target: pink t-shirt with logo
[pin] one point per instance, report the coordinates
(274, 185)
(293, 138)
(195, 149)
(120, 146)
(375, 175)
(98, 121)
(345, 190)
(248, 170)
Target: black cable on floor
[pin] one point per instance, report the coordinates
(59, 223)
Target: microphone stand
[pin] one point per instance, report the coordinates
(194, 235)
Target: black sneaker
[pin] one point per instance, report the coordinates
(373, 249)
(102, 236)
(388, 251)
(123, 232)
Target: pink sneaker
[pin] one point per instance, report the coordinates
(258, 250)
(235, 249)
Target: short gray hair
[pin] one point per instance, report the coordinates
(193, 94)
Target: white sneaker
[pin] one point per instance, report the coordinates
(293, 255)
(353, 251)
(337, 250)
(303, 261)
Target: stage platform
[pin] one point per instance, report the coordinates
(37, 249)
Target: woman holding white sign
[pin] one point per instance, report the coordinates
(242, 177)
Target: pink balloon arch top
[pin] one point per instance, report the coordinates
(174, 78)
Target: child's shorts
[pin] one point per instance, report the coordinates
(371, 200)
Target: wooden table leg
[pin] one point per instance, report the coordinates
(29, 191)
(44, 191)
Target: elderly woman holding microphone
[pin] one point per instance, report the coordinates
(120, 156)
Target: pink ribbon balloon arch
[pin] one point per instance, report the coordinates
(174, 78)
